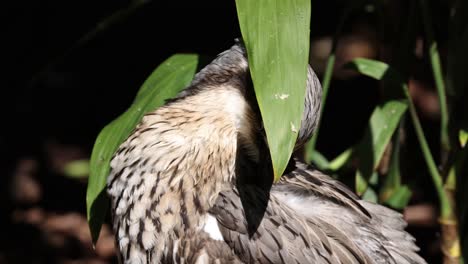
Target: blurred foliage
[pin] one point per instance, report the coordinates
(77, 169)
(392, 192)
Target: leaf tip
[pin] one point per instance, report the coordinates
(276, 177)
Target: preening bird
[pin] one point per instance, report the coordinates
(193, 184)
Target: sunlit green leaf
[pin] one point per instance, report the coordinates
(377, 70)
(322, 163)
(363, 184)
(165, 82)
(360, 182)
(374, 178)
(318, 159)
(341, 160)
(393, 177)
(451, 181)
(463, 137)
(77, 169)
(385, 118)
(276, 35)
(370, 195)
(382, 124)
(399, 198)
(371, 68)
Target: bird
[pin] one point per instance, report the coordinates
(193, 184)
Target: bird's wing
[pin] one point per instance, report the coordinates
(279, 234)
(305, 181)
(377, 230)
(310, 218)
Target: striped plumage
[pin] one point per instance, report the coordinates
(192, 183)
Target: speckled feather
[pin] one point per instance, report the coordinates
(311, 218)
(189, 164)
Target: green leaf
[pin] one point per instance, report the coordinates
(322, 163)
(165, 82)
(371, 68)
(370, 195)
(385, 118)
(341, 160)
(374, 179)
(399, 198)
(393, 178)
(361, 183)
(365, 188)
(318, 159)
(276, 36)
(382, 124)
(77, 169)
(463, 137)
(377, 70)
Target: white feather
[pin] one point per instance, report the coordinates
(211, 227)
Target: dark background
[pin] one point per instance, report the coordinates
(61, 87)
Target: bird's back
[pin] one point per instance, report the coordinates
(311, 218)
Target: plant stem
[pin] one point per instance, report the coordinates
(446, 208)
(438, 76)
(450, 242)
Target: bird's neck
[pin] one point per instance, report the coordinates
(210, 125)
(204, 130)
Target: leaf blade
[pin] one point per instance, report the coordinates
(166, 81)
(276, 36)
(383, 121)
(399, 197)
(382, 125)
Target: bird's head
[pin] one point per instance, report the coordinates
(230, 71)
